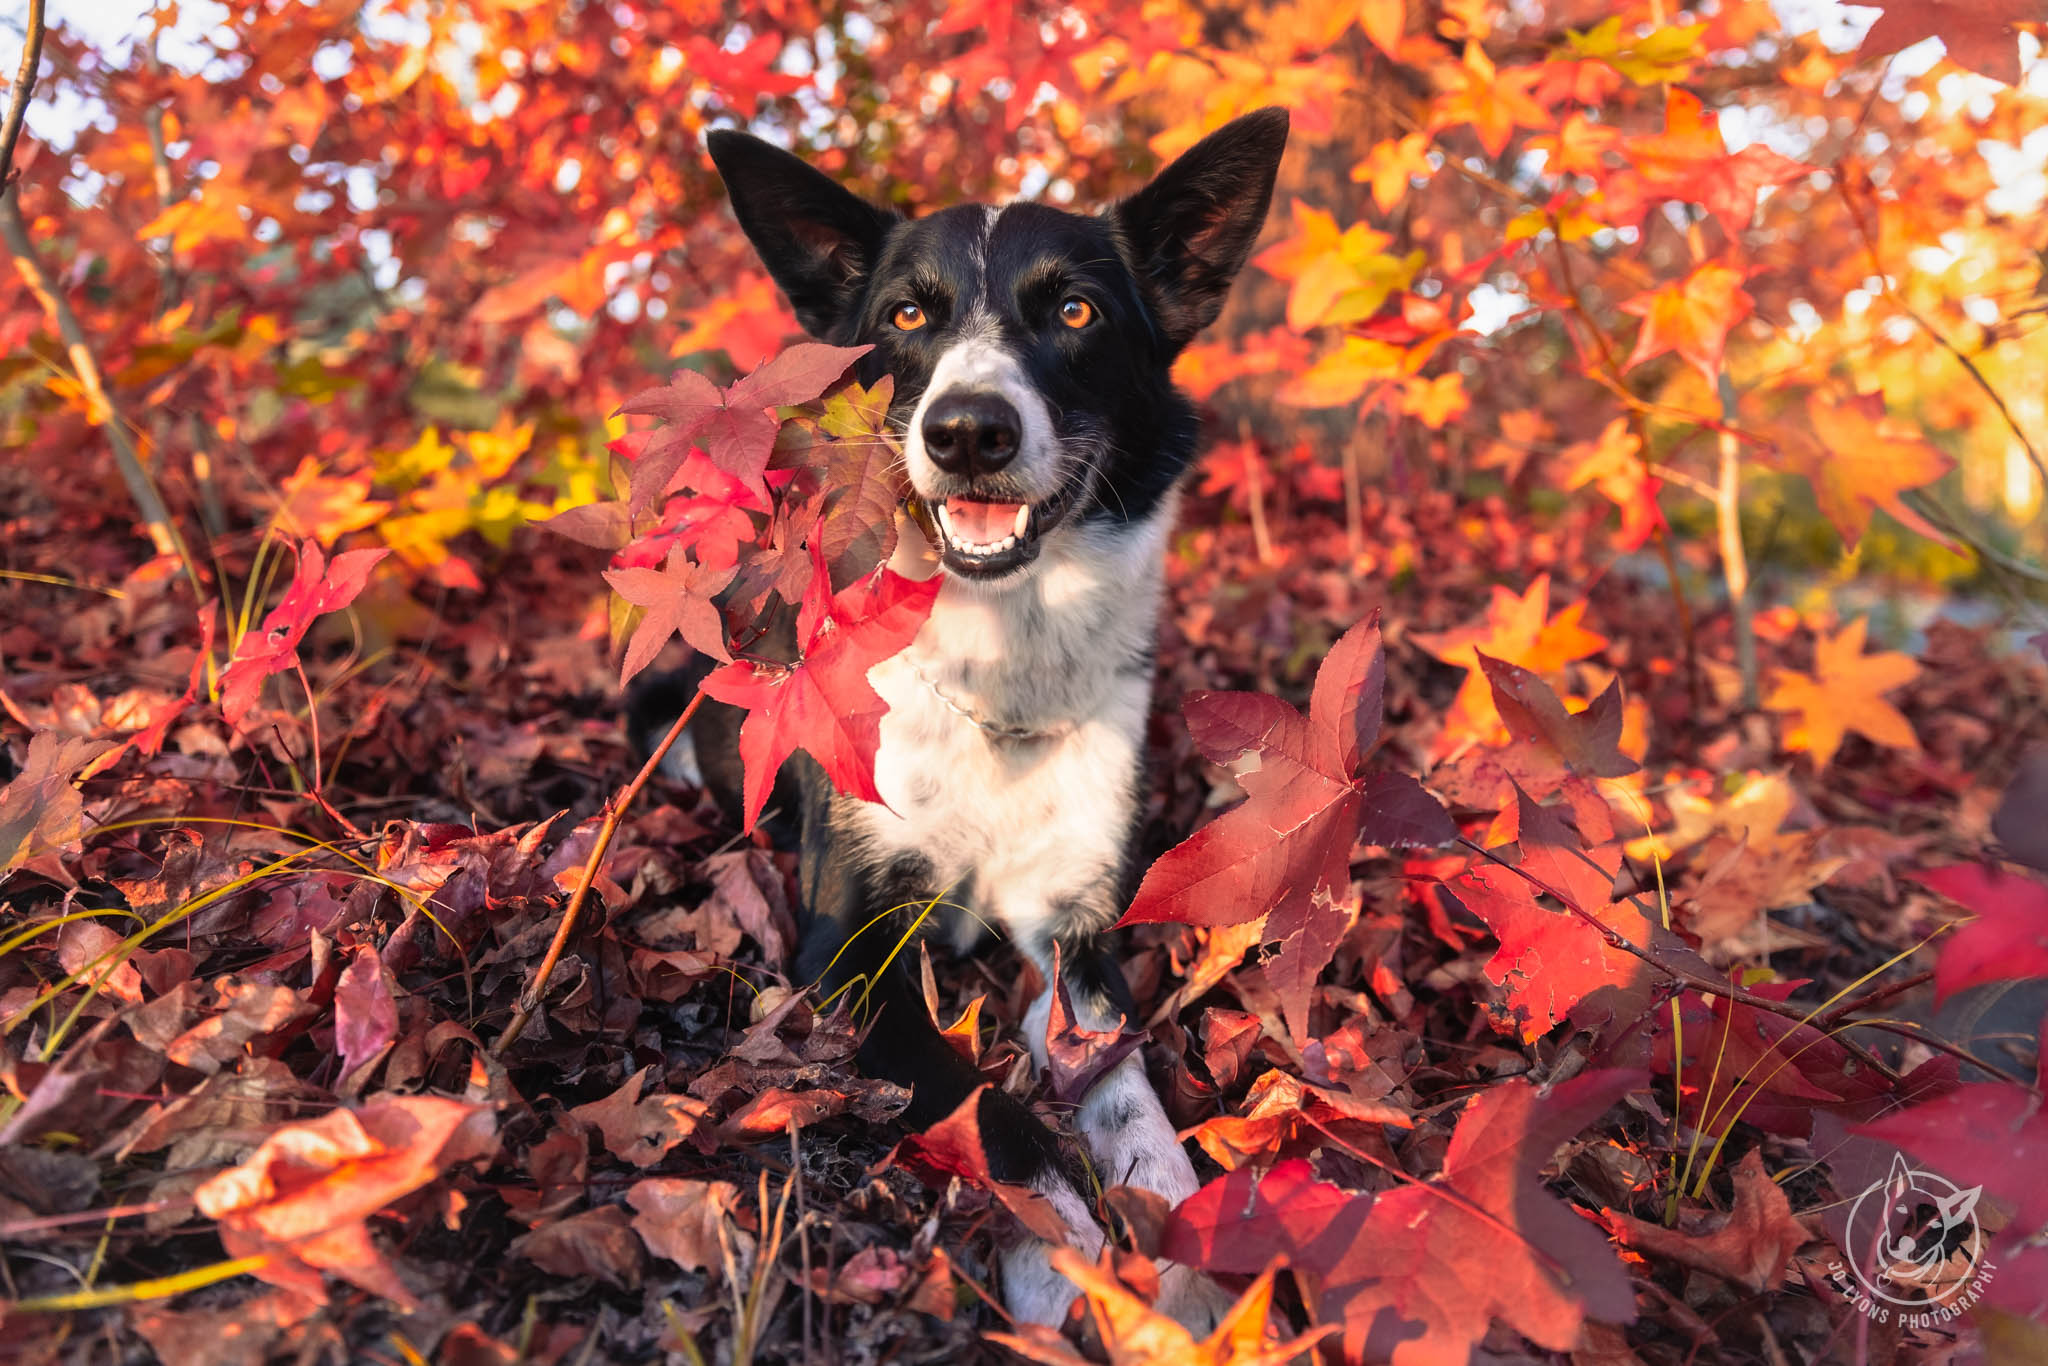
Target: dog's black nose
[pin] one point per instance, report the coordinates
(970, 433)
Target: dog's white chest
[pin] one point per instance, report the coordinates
(1030, 832)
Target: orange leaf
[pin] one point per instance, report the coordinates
(1519, 630)
(1390, 165)
(303, 1195)
(1690, 161)
(1493, 102)
(1858, 460)
(1845, 692)
(1435, 401)
(1344, 374)
(1692, 316)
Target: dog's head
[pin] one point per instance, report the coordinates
(1031, 347)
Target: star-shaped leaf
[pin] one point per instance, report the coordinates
(1518, 629)
(1692, 316)
(1982, 35)
(1858, 460)
(736, 426)
(1689, 160)
(823, 703)
(1844, 692)
(1286, 852)
(678, 599)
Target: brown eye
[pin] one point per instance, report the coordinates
(907, 317)
(1076, 312)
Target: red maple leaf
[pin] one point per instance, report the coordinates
(1589, 741)
(1557, 964)
(1417, 1274)
(1982, 35)
(678, 599)
(1309, 797)
(848, 459)
(2007, 940)
(822, 704)
(1286, 852)
(316, 589)
(1690, 161)
(736, 426)
(743, 77)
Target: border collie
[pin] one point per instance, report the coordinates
(1042, 434)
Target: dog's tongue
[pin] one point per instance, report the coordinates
(982, 523)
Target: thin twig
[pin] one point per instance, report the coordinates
(1898, 301)
(614, 810)
(1884, 993)
(1941, 517)
(1734, 558)
(24, 83)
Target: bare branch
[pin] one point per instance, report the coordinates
(24, 83)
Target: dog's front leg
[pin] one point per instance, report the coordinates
(1129, 1139)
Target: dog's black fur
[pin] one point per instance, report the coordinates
(1080, 421)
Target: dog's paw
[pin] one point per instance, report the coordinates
(1034, 1292)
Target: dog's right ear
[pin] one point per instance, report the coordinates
(817, 239)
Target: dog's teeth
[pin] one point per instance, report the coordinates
(1023, 521)
(946, 523)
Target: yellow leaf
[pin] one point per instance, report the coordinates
(1344, 374)
(1658, 57)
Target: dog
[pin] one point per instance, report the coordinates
(1031, 349)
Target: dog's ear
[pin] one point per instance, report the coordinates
(1192, 227)
(817, 239)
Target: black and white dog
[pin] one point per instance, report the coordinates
(1031, 350)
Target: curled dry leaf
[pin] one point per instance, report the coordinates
(1751, 1246)
(642, 1129)
(302, 1196)
(680, 1220)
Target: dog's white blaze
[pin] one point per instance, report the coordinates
(979, 362)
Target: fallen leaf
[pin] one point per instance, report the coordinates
(1844, 693)
(1751, 1246)
(2007, 940)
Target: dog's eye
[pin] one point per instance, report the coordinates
(907, 317)
(1076, 312)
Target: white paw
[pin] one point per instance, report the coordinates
(1032, 1291)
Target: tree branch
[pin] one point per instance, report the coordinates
(24, 82)
(1898, 301)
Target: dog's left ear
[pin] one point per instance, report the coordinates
(1192, 227)
(818, 239)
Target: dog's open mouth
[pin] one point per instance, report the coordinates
(987, 538)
